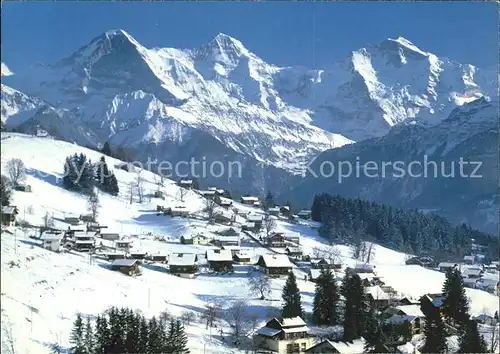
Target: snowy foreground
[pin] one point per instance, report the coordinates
(42, 290)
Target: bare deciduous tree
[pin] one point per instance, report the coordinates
(331, 253)
(360, 250)
(181, 193)
(370, 252)
(139, 184)
(237, 318)
(269, 224)
(210, 209)
(93, 204)
(187, 317)
(8, 346)
(131, 192)
(259, 284)
(48, 221)
(16, 170)
(211, 313)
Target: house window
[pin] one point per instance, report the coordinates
(293, 348)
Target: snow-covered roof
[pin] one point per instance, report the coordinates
(227, 238)
(408, 348)
(231, 248)
(250, 199)
(296, 329)
(472, 271)
(293, 249)
(469, 258)
(276, 260)
(401, 319)
(364, 266)
(446, 265)
(368, 276)
(8, 209)
(411, 310)
(254, 217)
(124, 262)
(208, 192)
(84, 242)
(274, 209)
(82, 234)
(268, 332)
(377, 293)
(124, 241)
(225, 201)
(186, 181)
(219, 256)
(315, 273)
(357, 346)
(304, 212)
(181, 259)
(291, 321)
(50, 237)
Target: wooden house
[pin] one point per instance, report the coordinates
(275, 265)
(314, 274)
(109, 236)
(111, 256)
(325, 263)
(472, 273)
(293, 238)
(199, 239)
(242, 257)
(223, 202)
(208, 194)
(276, 239)
(284, 335)
(469, 260)
(227, 231)
(256, 219)
(127, 266)
(123, 245)
(285, 211)
(328, 346)
(179, 211)
(220, 260)
(159, 194)
(81, 241)
(304, 214)
(294, 252)
(445, 266)
(137, 255)
(87, 218)
(222, 241)
(249, 200)
(274, 211)
(8, 215)
(72, 220)
(233, 249)
(51, 242)
(249, 226)
(157, 257)
(377, 296)
(183, 264)
(186, 183)
(412, 314)
(222, 218)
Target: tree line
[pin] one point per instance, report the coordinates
(81, 175)
(410, 231)
(122, 330)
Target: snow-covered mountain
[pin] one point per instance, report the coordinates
(461, 194)
(148, 99)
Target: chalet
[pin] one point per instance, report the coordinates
(227, 231)
(222, 241)
(487, 284)
(220, 260)
(292, 238)
(93, 226)
(110, 236)
(72, 220)
(123, 245)
(87, 217)
(199, 239)
(377, 296)
(275, 211)
(256, 219)
(249, 226)
(183, 264)
(186, 183)
(242, 257)
(284, 335)
(275, 265)
(127, 266)
(23, 188)
(160, 258)
(368, 279)
(248, 200)
(233, 249)
(328, 346)
(472, 273)
(420, 261)
(470, 282)
(325, 263)
(8, 215)
(223, 202)
(314, 274)
(408, 301)
(285, 211)
(485, 319)
(389, 290)
(208, 194)
(293, 252)
(432, 300)
(276, 239)
(445, 266)
(496, 264)
(177, 211)
(469, 260)
(111, 256)
(360, 268)
(51, 242)
(407, 313)
(81, 241)
(137, 255)
(304, 214)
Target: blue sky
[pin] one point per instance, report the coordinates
(282, 33)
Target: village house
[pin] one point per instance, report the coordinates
(274, 211)
(293, 238)
(485, 319)
(221, 241)
(111, 256)
(183, 264)
(304, 214)
(123, 245)
(223, 218)
(218, 191)
(470, 282)
(233, 249)
(276, 239)
(109, 236)
(427, 262)
(327, 346)
(72, 220)
(490, 285)
(284, 335)
(285, 211)
(158, 257)
(93, 226)
(275, 265)
(294, 252)
(445, 266)
(186, 183)
(256, 219)
(227, 231)
(249, 226)
(179, 211)
(469, 260)
(159, 194)
(87, 218)
(434, 300)
(208, 194)
(472, 273)
(220, 260)
(248, 200)
(81, 241)
(223, 202)
(314, 274)
(127, 266)
(199, 239)
(51, 241)
(137, 255)
(242, 257)
(360, 268)
(407, 313)
(8, 215)
(377, 296)
(368, 279)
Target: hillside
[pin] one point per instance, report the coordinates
(42, 290)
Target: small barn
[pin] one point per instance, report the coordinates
(160, 258)
(87, 217)
(275, 265)
(276, 239)
(285, 211)
(220, 260)
(183, 264)
(8, 215)
(186, 183)
(222, 241)
(275, 211)
(199, 239)
(72, 220)
(256, 219)
(242, 257)
(51, 242)
(304, 214)
(137, 255)
(445, 266)
(294, 252)
(249, 200)
(233, 249)
(127, 266)
(123, 245)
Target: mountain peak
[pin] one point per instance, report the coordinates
(225, 43)
(5, 70)
(402, 44)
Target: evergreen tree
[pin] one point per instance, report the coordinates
(142, 342)
(102, 335)
(77, 337)
(106, 149)
(89, 337)
(325, 300)
(178, 341)
(269, 201)
(455, 303)
(434, 331)
(291, 297)
(155, 343)
(133, 331)
(105, 180)
(470, 340)
(5, 191)
(355, 306)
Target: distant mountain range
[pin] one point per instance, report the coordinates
(223, 102)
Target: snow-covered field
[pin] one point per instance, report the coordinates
(42, 290)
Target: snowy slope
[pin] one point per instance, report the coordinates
(41, 295)
(5, 70)
(137, 96)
